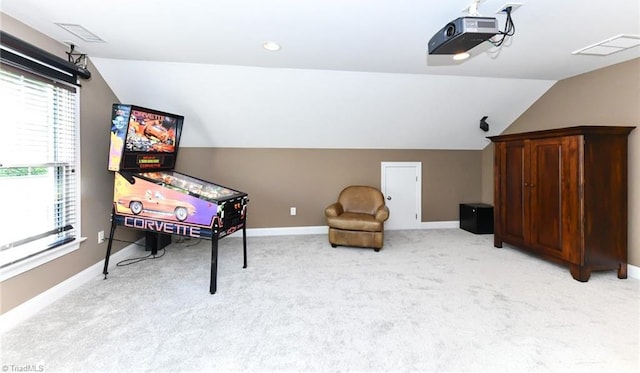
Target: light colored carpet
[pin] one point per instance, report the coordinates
(430, 300)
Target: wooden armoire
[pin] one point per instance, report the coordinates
(562, 194)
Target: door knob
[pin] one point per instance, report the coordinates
(389, 198)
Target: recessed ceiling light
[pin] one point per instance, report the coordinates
(271, 46)
(461, 56)
(81, 32)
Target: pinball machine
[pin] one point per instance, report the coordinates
(149, 195)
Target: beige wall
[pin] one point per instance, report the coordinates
(609, 96)
(310, 179)
(96, 99)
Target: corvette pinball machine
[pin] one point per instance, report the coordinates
(148, 195)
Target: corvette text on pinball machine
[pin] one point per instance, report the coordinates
(161, 226)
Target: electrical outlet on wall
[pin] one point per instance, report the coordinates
(292, 211)
(101, 237)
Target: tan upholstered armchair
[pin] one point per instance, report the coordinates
(357, 218)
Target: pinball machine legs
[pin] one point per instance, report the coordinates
(214, 258)
(244, 244)
(214, 254)
(111, 233)
(214, 264)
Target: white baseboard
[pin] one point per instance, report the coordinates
(286, 231)
(322, 229)
(633, 271)
(440, 224)
(13, 317)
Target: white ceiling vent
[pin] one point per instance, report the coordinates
(611, 45)
(81, 32)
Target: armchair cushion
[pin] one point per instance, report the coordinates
(354, 221)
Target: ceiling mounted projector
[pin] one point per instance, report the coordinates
(462, 34)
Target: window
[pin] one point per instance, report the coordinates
(39, 170)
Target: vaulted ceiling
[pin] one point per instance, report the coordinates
(350, 74)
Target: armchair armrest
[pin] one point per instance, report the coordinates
(334, 209)
(382, 214)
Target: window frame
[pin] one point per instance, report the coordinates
(46, 255)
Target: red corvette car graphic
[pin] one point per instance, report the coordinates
(157, 131)
(156, 203)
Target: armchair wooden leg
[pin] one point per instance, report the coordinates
(334, 245)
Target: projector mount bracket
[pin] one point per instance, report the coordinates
(472, 9)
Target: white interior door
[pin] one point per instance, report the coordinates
(402, 189)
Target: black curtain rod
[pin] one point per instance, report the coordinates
(39, 54)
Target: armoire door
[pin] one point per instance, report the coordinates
(552, 187)
(513, 202)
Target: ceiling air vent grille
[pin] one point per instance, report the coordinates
(611, 45)
(81, 32)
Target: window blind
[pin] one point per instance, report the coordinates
(38, 160)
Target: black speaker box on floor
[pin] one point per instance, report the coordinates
(476, 218)
(156, 241)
